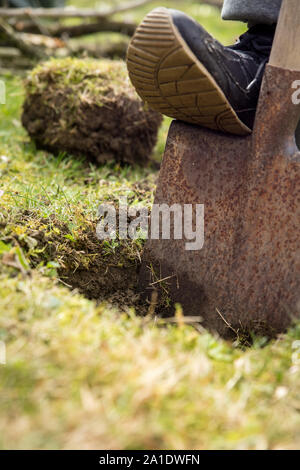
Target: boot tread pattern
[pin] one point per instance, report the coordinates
(184, 91)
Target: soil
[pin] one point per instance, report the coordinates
(112, 278)
(91, 116)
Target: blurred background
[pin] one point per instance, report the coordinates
(24, 39)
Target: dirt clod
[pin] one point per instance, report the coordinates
(89, 108)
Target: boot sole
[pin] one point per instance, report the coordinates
(170, 79)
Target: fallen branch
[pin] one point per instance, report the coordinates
(69, 12)
(9, 52)
(17, 41)
(111, 50)
(79, 30)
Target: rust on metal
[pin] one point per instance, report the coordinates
(249, 269)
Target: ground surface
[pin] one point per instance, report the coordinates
(83, 374)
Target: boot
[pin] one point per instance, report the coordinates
(177, 68)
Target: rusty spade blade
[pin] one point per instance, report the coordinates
(247, 275)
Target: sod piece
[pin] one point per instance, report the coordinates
(89, 108)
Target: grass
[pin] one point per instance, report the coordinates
(83, 374)
(86, 75)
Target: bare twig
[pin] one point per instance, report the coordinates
(226, 322)
(153, 303)
(162, 280)
(186, 320)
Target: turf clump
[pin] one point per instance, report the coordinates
(88, 108)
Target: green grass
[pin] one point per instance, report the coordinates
(86, 375)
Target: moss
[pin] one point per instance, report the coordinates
(88, 108)
(89, 79)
